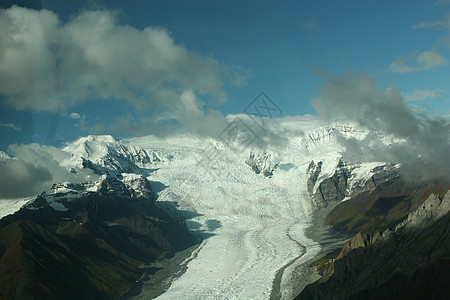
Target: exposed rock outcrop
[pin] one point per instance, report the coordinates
(313, 171)
(334, 188)
(261, 164)
(379, 175)
(343, 183)
(322, 134)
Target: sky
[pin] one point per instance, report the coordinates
(131, 68)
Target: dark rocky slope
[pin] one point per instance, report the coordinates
(408, 262)
(383, 206)
(96, 247)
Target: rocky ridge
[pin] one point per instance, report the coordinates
(345, 181)
(388, 264)
(315, 137)
(261, 164)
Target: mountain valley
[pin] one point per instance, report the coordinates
(249, 223)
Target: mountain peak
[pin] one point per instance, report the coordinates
(101, 138)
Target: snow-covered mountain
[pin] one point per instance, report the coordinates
(105, 154)
(250, 199)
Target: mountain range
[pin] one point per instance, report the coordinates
(115, 213)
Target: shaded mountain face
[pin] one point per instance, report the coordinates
(382, 205)
(79, 244)
(408, 262)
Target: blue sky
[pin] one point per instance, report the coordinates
(152, 67)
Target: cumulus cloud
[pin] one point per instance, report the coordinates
(33, 168)
(419, 95)
(21, 179)
(357, 98)
(47, 157)
(188, 115)
(49, 65)
(191, 115)
(418, 62)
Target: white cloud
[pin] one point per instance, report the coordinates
(45, 157)
(443, 24)
(75, 116)
(239, 77)
(440, 24)
(21, 179)
(428, 60)
(12, 126)
(419, 95)
(48, 65)
(417, 62)
(33, 168)
(356, 98)
(191, 114)
(400, 66)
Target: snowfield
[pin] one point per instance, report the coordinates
(252, 222)
(252, 225)
(10, 206)
(240, 260)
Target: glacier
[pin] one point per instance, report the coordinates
(250, 208)
(260, 222)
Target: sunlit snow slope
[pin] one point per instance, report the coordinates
(253, 225)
